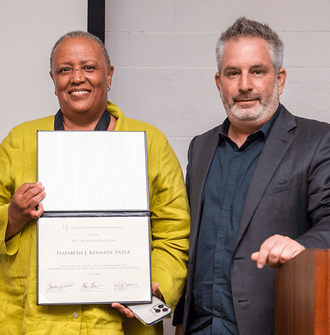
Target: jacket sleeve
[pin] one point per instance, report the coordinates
(318, 205)
(170, 221)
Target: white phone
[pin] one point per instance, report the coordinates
(150, 313)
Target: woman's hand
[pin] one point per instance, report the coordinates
(24, 206)
(126, 311)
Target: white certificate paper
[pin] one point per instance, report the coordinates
(93, 260)
(93, 170)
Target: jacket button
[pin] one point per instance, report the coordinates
(75, 315)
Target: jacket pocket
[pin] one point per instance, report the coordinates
(283, 185)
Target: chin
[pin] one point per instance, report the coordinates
(246, 113)
(79, 108)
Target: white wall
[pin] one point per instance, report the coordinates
(164, 59)
(163, 53)
(29, 30)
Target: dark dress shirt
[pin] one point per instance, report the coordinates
(224, 194)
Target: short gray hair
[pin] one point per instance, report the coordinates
(80, 34)
(244, 27)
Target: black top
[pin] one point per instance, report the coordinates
(103, 123)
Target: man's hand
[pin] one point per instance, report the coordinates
(276, 250)
(22, 207)
(126, 311)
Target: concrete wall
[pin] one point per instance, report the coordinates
(164, 59)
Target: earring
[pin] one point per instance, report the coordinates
(109, 88)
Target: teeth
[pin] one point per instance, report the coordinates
(79, 92)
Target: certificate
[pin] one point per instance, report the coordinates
(93, 260)
(94, 235)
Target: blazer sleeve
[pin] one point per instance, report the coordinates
(319, 197)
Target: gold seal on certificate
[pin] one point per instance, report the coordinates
(94, 235)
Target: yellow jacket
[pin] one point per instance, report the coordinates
(19, 313)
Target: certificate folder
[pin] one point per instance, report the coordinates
(94, 234)
(93, 170)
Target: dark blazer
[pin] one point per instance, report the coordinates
(289, 194)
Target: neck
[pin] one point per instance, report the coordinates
(68, 125)
(240, 129)
(238, 132)
(81, 122)
(237, 137)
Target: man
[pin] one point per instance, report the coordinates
(260, 181)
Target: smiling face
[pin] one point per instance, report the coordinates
(248, 85)
(81, 78)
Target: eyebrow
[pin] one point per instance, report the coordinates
(260, 65)
(87, 60)
(228, 68)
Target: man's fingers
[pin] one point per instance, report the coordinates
(255, 256)
(275, 254)
(263, 254)
(276, 250)
(292, 250)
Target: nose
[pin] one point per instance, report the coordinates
(245, 83)
(78, 76)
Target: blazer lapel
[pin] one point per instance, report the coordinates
(277, 144)
(204, 150)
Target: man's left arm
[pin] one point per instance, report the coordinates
(278, 249)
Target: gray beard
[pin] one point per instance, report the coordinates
(262, 112)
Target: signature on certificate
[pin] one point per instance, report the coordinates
(122, 286)
(90, 286)
(59, 287)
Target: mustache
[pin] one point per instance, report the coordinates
(246, 97)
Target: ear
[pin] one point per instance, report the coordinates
(110, 74)
(218, 83)
(281, 77)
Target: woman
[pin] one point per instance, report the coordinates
(81, 72)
